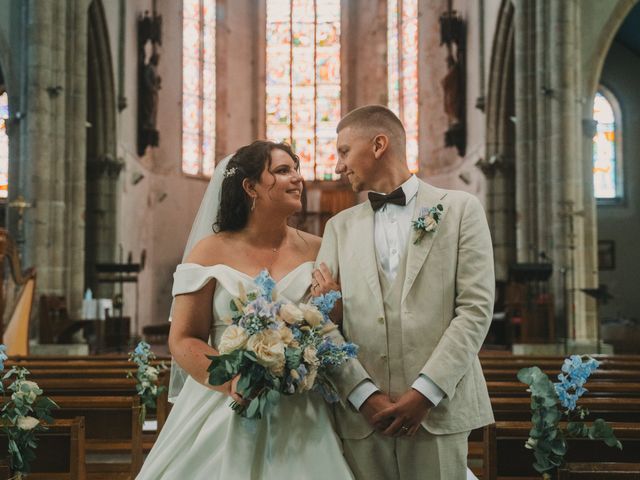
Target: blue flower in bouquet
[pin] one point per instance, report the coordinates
(261, 307)
(265, 283)
(326, 302)
(331, 354)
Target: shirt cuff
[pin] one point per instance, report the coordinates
(359, 395)
(426, 387)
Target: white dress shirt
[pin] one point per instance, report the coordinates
(391, 230)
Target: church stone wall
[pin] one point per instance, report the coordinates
(621, 223)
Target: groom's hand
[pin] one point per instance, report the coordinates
(406, 414)
(376, 403)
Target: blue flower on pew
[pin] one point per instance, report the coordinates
(575, 374)
(148, 387)
(550, 402)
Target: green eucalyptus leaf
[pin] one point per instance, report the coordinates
(273, 396)
(253, 407)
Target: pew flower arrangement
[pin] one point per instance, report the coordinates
(550, 402)
(147, 376)
(22, 416)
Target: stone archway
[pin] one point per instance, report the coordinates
(102, 165)
(614, 67)
(498, 165)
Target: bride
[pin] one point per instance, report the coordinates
(250, 198)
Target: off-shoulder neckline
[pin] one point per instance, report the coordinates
(251, 277)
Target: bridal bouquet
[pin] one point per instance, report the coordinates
(277, 348)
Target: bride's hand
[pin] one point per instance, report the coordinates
(231, 389)
(322, 281)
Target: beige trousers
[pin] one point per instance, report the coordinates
(424, 456)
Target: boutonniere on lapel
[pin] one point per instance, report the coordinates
(427, 221)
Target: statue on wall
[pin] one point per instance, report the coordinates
(149, 81)
(453, 35)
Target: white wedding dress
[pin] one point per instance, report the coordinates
(204, 439)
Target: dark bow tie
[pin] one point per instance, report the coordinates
(378, 199)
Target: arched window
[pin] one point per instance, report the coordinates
(4, 145)
(607, 181)
(303, 81)
(198, 86)
(402, 65)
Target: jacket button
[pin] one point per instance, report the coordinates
(381, 320)
(383, 357)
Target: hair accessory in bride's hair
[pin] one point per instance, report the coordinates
(230, 172)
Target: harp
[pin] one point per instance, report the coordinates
(17, 288)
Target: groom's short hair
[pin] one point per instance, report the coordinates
(375, 119)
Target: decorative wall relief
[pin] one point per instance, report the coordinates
(149, 81)
(453, 35)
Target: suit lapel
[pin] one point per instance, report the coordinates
(417, 253)
(364, 246)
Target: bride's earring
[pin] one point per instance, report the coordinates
(253, 204)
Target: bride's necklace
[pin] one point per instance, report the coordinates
(272, 250)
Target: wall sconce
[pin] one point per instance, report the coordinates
(54, 91)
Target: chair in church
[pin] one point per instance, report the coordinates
(17, 289)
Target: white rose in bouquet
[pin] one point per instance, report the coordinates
(308, 380)
(269, 350)
(286, 335)
(310, 355)
(27, 423)
(311, 315)
(233, 338)
(291, 314)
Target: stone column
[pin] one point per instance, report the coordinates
(525, 129)
(77, 38)
(549, 166)
(38, 141)
(54, 140)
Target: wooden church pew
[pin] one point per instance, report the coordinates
(113, 428)
(60, 453)
(611, 409)
(506, 374)
(600, 471)
(506, 458)
(597, 388)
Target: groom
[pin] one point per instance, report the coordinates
(416, 299)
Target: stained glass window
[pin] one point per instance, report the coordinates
(303, 81)
(4, 146)
(402, 64)
(605, 148)
(198, 86)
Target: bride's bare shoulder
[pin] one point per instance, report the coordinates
(309, 242)
(210, 250)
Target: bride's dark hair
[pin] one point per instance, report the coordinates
(249, 162)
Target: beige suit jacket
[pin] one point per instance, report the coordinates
(447, 304)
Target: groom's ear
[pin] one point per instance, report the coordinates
(380, 145)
